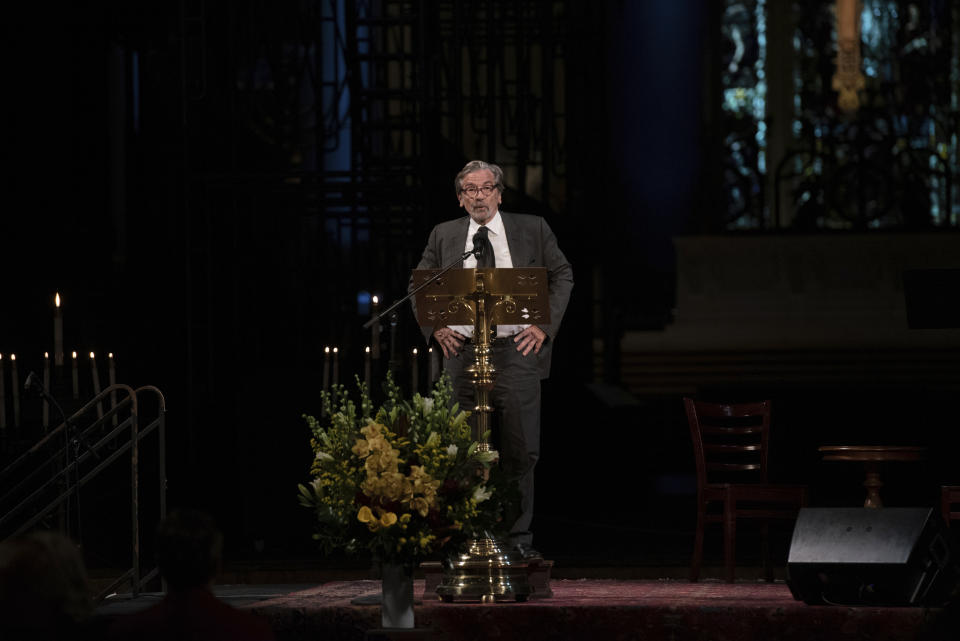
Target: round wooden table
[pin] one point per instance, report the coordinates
(872, 457)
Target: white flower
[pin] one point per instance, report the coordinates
(433, 439)
(481, 494)
(323, 456)
(489, 456)
(427, 405)
(452, 450)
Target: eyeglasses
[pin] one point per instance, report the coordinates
(484, 191)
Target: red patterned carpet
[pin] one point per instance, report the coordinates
(608, 609)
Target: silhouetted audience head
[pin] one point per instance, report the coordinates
(44, 592)
(189, 549)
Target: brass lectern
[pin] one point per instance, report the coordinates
(483, 297)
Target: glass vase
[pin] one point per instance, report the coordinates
(396, 608)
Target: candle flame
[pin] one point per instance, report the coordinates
(336, 349)
(56, 299)
(74, 354)
(46, 354)
(91, 354)
(414, 351)
(326, 350)
(367, 349)
(376, 299)
(13, 357)
(110, 355)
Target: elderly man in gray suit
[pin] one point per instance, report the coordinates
(521, 353)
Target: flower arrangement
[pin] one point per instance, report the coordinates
(404, 481)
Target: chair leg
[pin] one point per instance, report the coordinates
(945, 504)
(765, 550)
(729, 536)
(698, 544)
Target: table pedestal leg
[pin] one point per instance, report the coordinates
(873, 484)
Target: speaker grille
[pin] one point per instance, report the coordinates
(863, 556)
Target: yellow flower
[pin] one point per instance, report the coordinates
(365, 515)
(420, 505)
(371, 430)
(361, 448)
(383, 519)
(378, 443)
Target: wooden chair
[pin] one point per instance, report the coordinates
(731, 444)
(950, 503)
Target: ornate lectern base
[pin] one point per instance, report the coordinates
(489, 576)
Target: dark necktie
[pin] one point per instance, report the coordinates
(482, 239)
(486, 258)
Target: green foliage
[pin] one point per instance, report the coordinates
(403, 481)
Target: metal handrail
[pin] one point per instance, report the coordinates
(67, 476)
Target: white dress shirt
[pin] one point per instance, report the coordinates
(501, 251)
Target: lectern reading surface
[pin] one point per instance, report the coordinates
(513, 296)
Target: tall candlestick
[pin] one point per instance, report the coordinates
(46, 386)
(112, 380)
(434, 365)
(15, 379)
(3, 397)
(57, 331)
(375, 339)
(414, 373)
(336, 366)
(96, 383)
(366, 368)
(76, 378)
(326, 369)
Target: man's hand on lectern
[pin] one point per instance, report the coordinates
(531, 338)
(450, 341)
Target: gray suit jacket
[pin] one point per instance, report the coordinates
(532, 244)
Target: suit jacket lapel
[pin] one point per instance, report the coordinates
(455, 240)
(515, 241)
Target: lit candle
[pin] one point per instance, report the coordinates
(414, 373)
(366, 367)
(112, 380)
(3, 398)
(96, 383)
(46, 386)
(76, 378)
(336, 366)
(326, 368)
(375, 341)
(15, 379)
(57, 331)
(434, 364)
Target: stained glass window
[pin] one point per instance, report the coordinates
(743, 79)
(891, 164)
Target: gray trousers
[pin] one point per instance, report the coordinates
(515, 398)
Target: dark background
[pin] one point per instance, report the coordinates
(170, 214)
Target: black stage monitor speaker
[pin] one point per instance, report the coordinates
(872, 556)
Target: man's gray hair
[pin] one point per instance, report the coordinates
(478, 165)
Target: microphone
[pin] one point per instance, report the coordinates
(477, 246)
(480, 240)
(33, 385)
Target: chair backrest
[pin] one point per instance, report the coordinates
(730, 440)
(950, 503)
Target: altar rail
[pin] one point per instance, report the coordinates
(40, 484)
